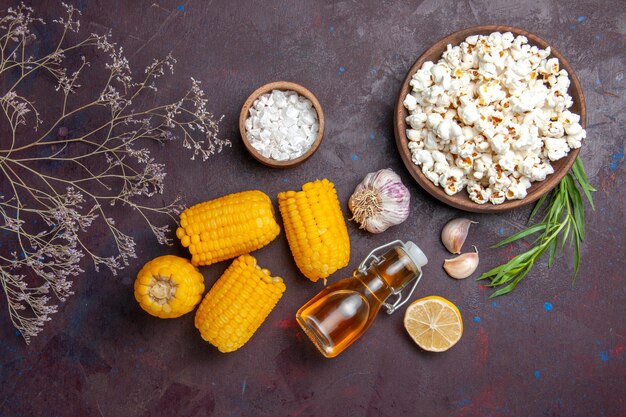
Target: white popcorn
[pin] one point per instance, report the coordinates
(438, 156)
(562, 84)
(433, 120)
(486, 159)
(468, 112)
(432, 176)
(535, 168)
(478, 193)
(450, 114)
(465, 163)
(421, 81)
(528, 139)
(514, 83)
(413, 135)
(556, 148)
(558, 101)
(431, 142)
(453, 56)
(468, 149)
(499, 144)
(525, 182)
(497, 197)
(423, 158)
(437, 96)
(527, 165)
(469, 57)
(441, 167)
(414, 146)
(537, 119)
(468, 132)
(489, 116)
(568, 118)
(489, 92)
(507, 40)
(487, 70)
(482, 146)
(575, 135)
(573, 129)
(508, 161)
(416, 121)
(544, 53)
(410, 102)
(448, 129)
(516, 191)
(520, 68)
(452, 181)
(551, 66)
(497, 178)
(494, 39)
(441, 75)
(526, 102)
(553, 130)
(472, 40)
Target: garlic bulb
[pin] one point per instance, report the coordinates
(380, 201)
(454, 233)
(462, 266)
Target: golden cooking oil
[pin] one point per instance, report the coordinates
(343, 311)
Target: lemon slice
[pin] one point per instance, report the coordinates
(434, 323)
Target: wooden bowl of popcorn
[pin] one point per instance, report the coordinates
(281, 124)
(503, 141)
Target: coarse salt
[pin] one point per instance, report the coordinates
(282, 125)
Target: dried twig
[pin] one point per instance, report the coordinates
(43, 215)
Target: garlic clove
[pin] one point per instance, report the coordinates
(454, 233)
(462, 266)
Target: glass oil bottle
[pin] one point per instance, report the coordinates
(343, 311)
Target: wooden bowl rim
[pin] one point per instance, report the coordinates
(461, 200)
(281, 85)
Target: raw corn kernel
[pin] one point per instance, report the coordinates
(227, 227)
(238, 304)
(315, 229)
(169, 286)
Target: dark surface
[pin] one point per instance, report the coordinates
(549, 349)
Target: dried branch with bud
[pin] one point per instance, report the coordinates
(45, 216)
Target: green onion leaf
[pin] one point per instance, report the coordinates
(528, 231)
(579, 172)
(563, 219)
(537, 206)
(552, 252)
(576, 256)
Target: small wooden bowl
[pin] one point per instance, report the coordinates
(281, 85)
(461, 200)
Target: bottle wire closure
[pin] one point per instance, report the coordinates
(372, 257)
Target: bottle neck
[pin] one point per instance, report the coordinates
(389, 275)
(374, 286)
(396, 269)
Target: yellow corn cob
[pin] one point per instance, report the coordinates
(315, 229)
(238, 304)
(169, 286)
(227, 227)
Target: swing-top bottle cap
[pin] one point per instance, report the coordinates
(416, 254)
